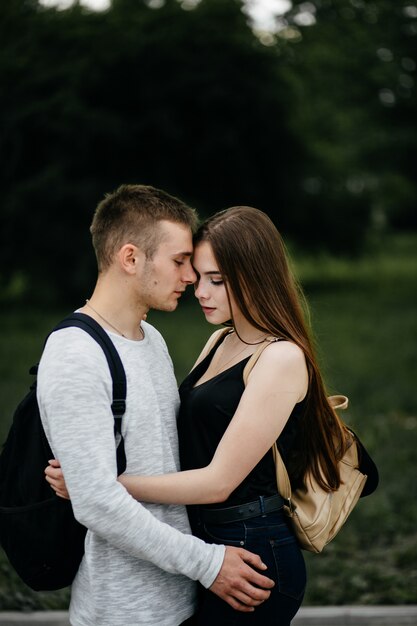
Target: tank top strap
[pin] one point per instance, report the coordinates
(255, 356)
(218, 341)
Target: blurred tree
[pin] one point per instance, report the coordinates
(187, 100)
(394, 155)
(354, 94)
(43, 218)
(316, 129)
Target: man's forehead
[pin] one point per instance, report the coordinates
(176, 238)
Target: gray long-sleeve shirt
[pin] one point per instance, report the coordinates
(140, 560)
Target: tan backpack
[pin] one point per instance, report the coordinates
(317, 515)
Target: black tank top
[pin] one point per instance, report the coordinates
(205, 413)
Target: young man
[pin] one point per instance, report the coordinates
(140, 560)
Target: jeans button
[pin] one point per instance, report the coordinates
(242, 543)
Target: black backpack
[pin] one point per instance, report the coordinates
(38, 531)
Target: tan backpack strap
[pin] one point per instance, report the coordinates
(338, 402)
(211, 342)
(255, 356)
(215, 338)
(283, 480)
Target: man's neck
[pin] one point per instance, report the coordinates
(111, 307)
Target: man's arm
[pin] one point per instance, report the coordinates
(237, 582)
(74, 391)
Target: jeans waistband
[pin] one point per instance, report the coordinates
(259, 507)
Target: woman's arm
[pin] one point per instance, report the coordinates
(277, 382)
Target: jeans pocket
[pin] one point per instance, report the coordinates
(227, 534)
(290, 566)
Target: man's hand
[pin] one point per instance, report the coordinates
(55, 477)
(238, 583)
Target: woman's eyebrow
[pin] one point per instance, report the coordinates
(209, 273)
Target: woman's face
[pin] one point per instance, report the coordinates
(210, 289)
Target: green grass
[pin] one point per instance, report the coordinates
(364, 313)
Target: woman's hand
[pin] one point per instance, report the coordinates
(55, 477)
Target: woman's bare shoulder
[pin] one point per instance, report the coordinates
(284, 358)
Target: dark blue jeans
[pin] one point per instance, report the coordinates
(271, 537)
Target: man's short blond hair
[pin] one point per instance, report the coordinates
(131, 215)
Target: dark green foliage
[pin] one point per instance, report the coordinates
(186, 100)
(365, 318)
(318, 129)
(353, 71)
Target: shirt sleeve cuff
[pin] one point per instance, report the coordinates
(211, 573)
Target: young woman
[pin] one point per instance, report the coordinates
(226, 429)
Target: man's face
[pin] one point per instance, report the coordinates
(165, 277)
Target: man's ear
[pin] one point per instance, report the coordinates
(130, 258)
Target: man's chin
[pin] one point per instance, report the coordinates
(167, 306)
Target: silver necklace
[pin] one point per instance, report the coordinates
(87, 302)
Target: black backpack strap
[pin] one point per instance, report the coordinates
(97, 332)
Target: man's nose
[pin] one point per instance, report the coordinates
(189, 276)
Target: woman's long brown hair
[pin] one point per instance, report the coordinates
(253, 261)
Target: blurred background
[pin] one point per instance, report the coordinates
(306, 110)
